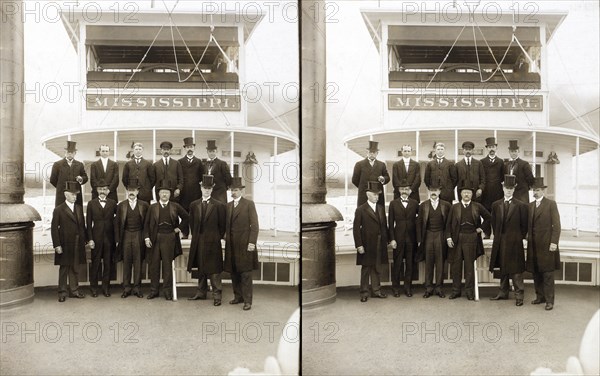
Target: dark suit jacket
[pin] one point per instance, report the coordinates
(413, 175)
(151, 225)
(494, 176)
(402, 222)
(100, 224)
(509, 231)
(61, 173)
(473, 177)
(111, 177)
(120, 220)
(523, 176)
(172, 173)
(543, 228)
(444, 175)
(241, 230)
(455, 219)
(192, 177)
(68, 232)
(222, 178)
(370, 231)
(422, 219)
(207, 231)
(144, 173)
(363, 173)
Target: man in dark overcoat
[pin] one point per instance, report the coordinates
(493, 167)
(371, 240)
(241, 235)
(219, 169)
(207, 220)
(369, 169)
(68, 169)
(107, 170)
(402, 227)
(129, 229)
(193, 169)
(463, 235)
(543, 234)
(168, 169)
(431, 225)
(521, 169)
(68, 239)
(100, 221)
(509, 222)
(469, 172)
(441, 172)
(407, 168)
(140, 170)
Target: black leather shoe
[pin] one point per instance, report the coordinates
(61, 299)
(247, 306)
(499, 297)
(363, 299)
(168, 296)
(217, 302)
(427, 294)
(138, 294)
(396, 294)
(519, 302)
(152, 295)
(408, 294)
(380, 295)
(106, 293)
(454, 296)
(441, 295)
(538, 301)
(78, 295)
(198, 297)
(236, 301)
(125, 294)
(470, 297)
(549, 306)
(94, 294)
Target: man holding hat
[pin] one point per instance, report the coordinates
(369, 169)
(129, 228)
(107, 170)
(431, 225)
(100, 220)
(140, 170)
(493, 168)
(161, 235)
(469, 172)
(441, 172)
(219, 169)
(543, 234)
(403, 237)
(370, 240)
(68, 239)
(521, 170)
(463, 235)
(241, 235)
(168, 169)
(509, 221)
(68, 169)
(207, 220)
(193, 169)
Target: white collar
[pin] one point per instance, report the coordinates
(539, 200)
(508, 199)
(406, 160)
(70, 205)
(132, 202)
(435, 201)
(163, 203)
(104, 160)
(464, 203)
(372, 205)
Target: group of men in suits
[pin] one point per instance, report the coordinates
(440, 229)
(133, 230)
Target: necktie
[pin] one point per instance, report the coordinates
(434, 205)
(163, 205)
(537, 204)
(468, 162)
(439, 161)
(403, 200)
(137, 161)
(506, 204)
(102, 200)
(235, 204)
(204, 204)
(167, 162)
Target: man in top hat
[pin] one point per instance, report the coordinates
(219, 169)
(521, 170)
(207, 220)
(193, 169)
(370, 240)
(140, 170)
(129, 228)
(509, 222)
(469, 172)
(403, 237)
(463, 235)
(68, 239)
(168, 169)
(107, 170)
(441, 172)
(161, 235)
(369, 169)
(100, 220)
(241, 235)
(431, 226)
(407, 169)
(68, 169)
(493, 167)
(543, 234)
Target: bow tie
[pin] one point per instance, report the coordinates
(205, 201)
(102, 200)
(507, 201)
(403, 200)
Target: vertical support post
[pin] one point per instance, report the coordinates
(577, 151)
(275, 186)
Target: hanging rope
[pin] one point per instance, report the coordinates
(491, 53)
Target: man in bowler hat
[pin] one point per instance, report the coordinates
(207, 220)
(543, 234)
(521, 170)
(219, 169)
(68, 239)
(370, 240)
(369, 169)
(469, 172)
(193, 169)
(241, 235)
(168, 169)
(509, 222)
(68, 169)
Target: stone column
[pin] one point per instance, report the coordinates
(318, 218)
(16, 218)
